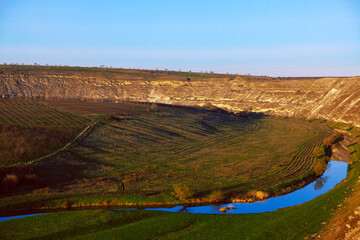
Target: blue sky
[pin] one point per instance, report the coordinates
(260, 37)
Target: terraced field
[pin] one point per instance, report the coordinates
(147, 149)
(300, 166)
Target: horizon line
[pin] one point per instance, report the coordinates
(169, 70)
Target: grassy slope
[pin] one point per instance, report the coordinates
(290, 223)
(149, 150)
(188, 148)
(106, 72)
(146, 74)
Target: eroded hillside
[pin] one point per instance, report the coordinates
(335, 99)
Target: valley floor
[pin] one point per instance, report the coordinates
(140, 153)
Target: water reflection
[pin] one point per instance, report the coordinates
(335, 173)
(183, 209)
(215, 208)
(320, 182)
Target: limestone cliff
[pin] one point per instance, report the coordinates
(336, 99)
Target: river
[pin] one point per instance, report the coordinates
(336, 172)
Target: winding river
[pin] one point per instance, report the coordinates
(336, 172)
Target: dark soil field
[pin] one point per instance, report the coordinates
(91, 108)
(29, 129)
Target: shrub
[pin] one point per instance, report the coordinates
(43, 191)
(334, 138)
(327, 142)
(66, 205)
(320, 166)
(260, 195)
(319, 152)
(181, 191)
(216, 196)
(9, 182)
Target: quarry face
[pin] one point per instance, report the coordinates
(334, 99)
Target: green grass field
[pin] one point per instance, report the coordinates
(290, 223)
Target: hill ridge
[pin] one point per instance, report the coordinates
(335, 99)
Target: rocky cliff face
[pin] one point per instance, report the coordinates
(335, 99)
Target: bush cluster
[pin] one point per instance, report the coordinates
(334, 138)
(323, 152)
(181, 191)
(216, 196)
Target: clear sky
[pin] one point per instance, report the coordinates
(260, 37)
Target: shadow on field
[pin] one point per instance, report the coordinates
(64, 167)
(75, 164)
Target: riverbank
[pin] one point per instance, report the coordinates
(290, 223)
(344, 223)
(296, 222)
(198, 205)
(336, 172)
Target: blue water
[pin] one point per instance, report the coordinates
(335, 173)
(20, 216)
